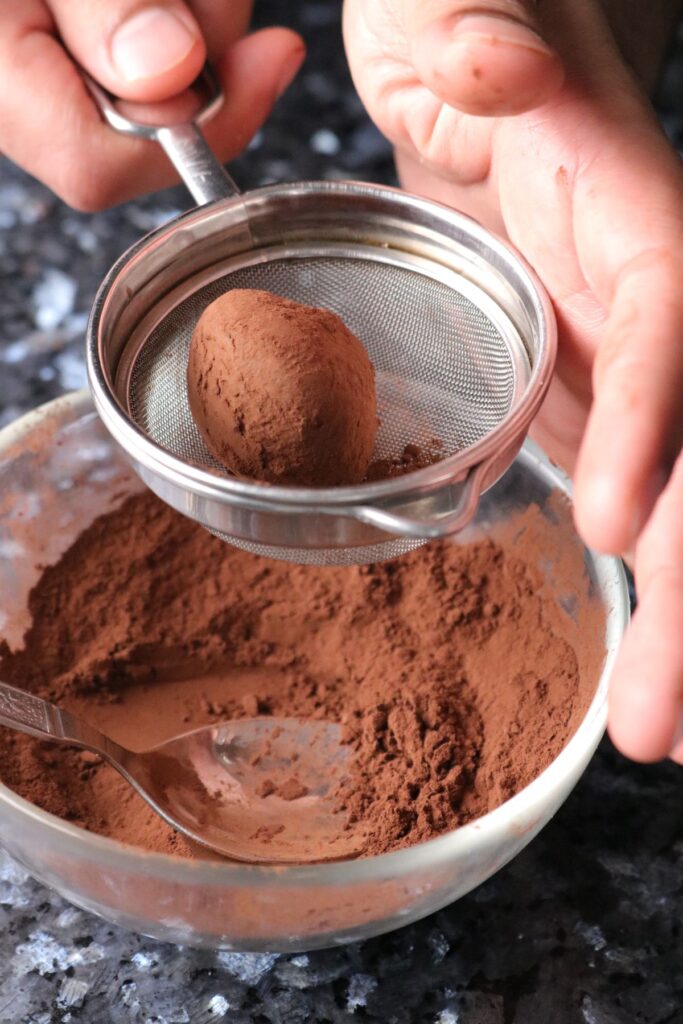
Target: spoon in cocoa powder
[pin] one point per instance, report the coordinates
(259, 790)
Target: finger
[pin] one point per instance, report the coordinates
(646, 691)
(222, 22)
(51, 127)
(137, 50)
(477, 198)
(635, 429)
(485, 57)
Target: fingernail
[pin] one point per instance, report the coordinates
(594, 510)
(291, 66)
(499, 29)
(151, 42)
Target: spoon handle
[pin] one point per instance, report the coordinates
(37, 717)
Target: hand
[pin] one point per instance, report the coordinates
(528, 118)
(139, 51)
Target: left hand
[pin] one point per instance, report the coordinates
(50, 125)
(549, 139)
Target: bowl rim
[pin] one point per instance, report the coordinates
(110, 853)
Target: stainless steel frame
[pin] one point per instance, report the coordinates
(307, 220)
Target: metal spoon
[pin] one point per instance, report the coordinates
(222, 785)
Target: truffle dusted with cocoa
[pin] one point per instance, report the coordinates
(281, 392)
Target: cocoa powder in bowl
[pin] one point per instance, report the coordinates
(452, 675)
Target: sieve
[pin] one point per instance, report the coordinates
(459, 329)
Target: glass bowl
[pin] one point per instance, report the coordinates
(58, 471)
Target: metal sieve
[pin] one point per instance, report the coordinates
(459, 329)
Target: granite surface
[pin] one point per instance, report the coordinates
(584, 927)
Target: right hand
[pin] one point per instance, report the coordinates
(139, 51)
(529, 117)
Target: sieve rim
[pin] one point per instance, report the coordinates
(233, 490)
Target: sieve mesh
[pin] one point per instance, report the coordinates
(326, 556)
(443, 370)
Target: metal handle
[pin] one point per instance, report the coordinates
(193, 159)
(37, 717)
(184, 144)
(431, 527)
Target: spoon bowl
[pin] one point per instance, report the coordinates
(260, 790)
(255, 789)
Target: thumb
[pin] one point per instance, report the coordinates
(139, 51)
(484, 57)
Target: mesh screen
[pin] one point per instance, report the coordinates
(326, 556)
(442, 369)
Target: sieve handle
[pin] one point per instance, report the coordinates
(193, 159)
(183, 143)
(429, 527)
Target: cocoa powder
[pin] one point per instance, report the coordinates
(413, 456)
(453, 677)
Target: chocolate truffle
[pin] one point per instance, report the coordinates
(282, 392)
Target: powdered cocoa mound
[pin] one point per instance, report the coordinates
(452, 677)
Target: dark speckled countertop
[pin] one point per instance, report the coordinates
(584, 927)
